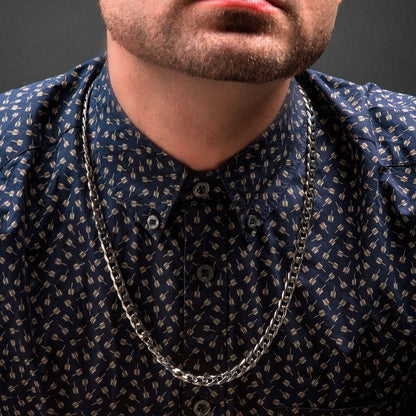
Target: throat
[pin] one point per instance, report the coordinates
(199, 122)
(203, 137)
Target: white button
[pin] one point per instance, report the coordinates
(153, 222)
(202, 408)
(201, 189)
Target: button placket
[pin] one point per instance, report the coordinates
(205, 301)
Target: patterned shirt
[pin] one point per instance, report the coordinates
(204, 256)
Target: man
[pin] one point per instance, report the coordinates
(188, 229)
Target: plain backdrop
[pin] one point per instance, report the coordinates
(374, 40)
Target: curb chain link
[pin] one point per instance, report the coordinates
(254, 355)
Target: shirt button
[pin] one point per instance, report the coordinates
(202, 408)
(205, 273)
(253, 222)
(153, 222)
(201, 189)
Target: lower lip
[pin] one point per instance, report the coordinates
(255, 5)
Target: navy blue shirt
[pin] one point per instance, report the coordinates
(204, 277)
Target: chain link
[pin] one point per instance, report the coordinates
(254, 355)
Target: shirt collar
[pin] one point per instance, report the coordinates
(257, 177)
(144, 177)
(136, 172)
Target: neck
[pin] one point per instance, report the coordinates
(199, 122)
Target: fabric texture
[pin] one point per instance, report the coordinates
(206, 272)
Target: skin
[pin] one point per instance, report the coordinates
(203, 79)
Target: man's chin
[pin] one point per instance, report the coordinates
(237, 68)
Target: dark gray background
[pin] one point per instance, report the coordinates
(374, 40)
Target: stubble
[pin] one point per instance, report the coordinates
(174, 46)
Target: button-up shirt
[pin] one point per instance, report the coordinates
(204, 256)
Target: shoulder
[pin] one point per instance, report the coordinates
(36, 115)
(367, 112)
(356, 98)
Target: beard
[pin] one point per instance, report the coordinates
(236, 46)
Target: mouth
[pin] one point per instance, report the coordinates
(265, 6)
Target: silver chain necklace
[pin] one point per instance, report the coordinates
(254, 355)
